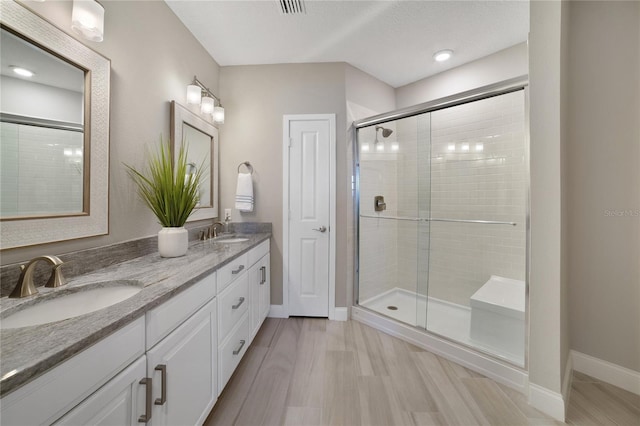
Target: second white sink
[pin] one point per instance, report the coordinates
(69, 303)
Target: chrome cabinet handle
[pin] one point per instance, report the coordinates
(237, 305)
(235, 271)
(321, 229)
(163, 393)
(148, 389)
(239, 348)
(263, 275)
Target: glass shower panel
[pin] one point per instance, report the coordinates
(478, 193)
(388, 234)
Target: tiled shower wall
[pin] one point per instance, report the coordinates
(51, 173)
(464, 162)
(478, 172)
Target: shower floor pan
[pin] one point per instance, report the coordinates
(441, 317)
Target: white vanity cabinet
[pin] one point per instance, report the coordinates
(183, 369)
(54, 393)
(165, 368)
(120, 402)
(260, 287)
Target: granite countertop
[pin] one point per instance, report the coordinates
(27, 352)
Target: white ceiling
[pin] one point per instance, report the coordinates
(391, 40)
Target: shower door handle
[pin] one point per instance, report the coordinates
(321, 229)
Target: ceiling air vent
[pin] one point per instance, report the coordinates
(292, 7)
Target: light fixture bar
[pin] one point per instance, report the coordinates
(205, 89)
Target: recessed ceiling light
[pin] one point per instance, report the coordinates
(443, 55)
(22, 71)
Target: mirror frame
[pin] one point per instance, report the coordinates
(95, 221)
(179, 117)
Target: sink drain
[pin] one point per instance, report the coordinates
(392, 308)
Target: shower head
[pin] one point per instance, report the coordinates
(385, 132)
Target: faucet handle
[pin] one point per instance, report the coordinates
(56, 279)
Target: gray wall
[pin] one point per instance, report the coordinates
(603, 180)
(255, 99)
(153, 58)
(546, 356)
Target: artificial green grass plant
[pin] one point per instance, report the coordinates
(165, 187)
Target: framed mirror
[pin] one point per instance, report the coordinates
(201, 138)
(54, 142)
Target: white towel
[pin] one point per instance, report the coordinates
(244, 193)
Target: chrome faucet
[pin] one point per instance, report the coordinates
(211, 231)
(25, 286)
(213, 228)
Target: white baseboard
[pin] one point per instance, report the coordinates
(278, 311)
(340, 314)
(614, 374)
(549, 402)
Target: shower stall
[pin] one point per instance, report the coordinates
(442, 194)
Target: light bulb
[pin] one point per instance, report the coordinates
(206, 107)
(194, 94)
(87, 19)
(218, 114)
(443, 55)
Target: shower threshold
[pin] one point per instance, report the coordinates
(446, 319)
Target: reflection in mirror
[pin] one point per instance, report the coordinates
(42, 139)
(202, 140)
(55, 164)
(199, 153)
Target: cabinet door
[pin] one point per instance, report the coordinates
(184, 371)
(255, 277)
(265, 287)
(119, 402)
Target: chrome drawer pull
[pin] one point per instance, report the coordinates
(148, 389)
(163, 393)
(237, 305)
(237, 351)
(236, 271)
(263, 275)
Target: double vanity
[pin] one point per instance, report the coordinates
(160, 353)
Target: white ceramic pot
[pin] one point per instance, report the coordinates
(173, 242)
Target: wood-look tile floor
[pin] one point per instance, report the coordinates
(304, 371)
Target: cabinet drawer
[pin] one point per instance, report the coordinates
(231, 271)
(257, 253)
(232, 304)
(232, 351)
(168, 316)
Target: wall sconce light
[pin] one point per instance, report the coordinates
(87, 19)
(198, 93)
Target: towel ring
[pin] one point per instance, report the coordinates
(247, 165)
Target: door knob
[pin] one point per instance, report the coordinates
(321, 229)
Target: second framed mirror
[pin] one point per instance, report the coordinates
(201, 138)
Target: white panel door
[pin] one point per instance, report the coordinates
(309, 207)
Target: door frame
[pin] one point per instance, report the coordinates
(286, 121)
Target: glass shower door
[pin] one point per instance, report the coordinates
(477, 241)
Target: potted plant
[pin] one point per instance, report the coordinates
(170, 190)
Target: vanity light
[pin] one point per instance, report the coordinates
(198, 93)
(443, 55)
(365, 147)
(22, 71)
(451, 147)
(395, 147)
(465, 147)
(479, 147)
(206, 106)
(87, 19)
(218, 114)
(194, 94)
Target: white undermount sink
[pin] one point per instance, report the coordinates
(69, 303)
(232, 240)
